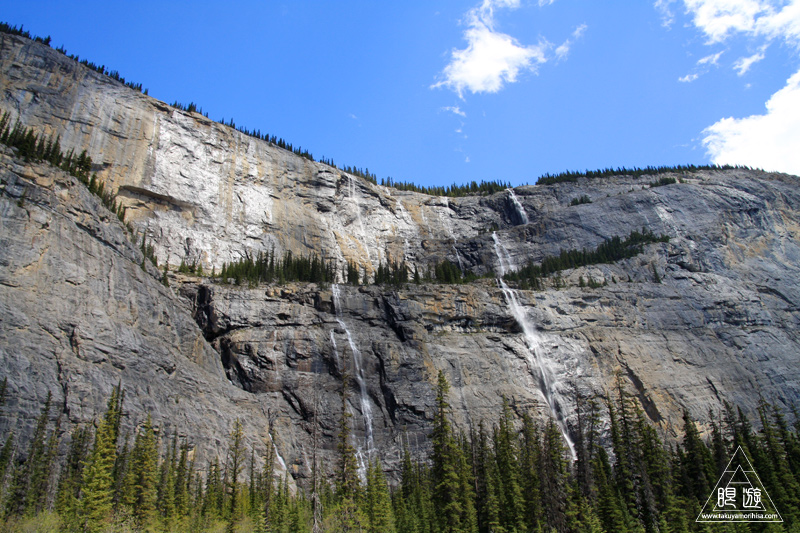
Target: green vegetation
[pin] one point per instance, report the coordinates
(582, 200)
(471, 189)
(664, 180)
(610, 251)
(33, 147)
(266, 268)
(571, 176)
(507, 477)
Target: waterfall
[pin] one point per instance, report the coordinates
(357, 205)
(366, 408)
(506, 263)
(548, 383)
(518, 206)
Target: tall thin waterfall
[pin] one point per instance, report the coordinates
(520, 210)
(366, 408)
(548, 383)
(357, 205)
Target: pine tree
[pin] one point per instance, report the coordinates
(235, 466)
(553, 477)
(346, 476)
(512, 514)
(447, 469)
(30, 487)
(141, 480)
(531, 483)
(696, 462)
(71, 478)
(98, 481)
(379, 504)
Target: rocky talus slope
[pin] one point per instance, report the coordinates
(710, 316)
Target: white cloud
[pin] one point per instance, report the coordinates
(563, 50)
(743, 64)
(713, 59)
(491, 58)
(768, 141)
(455, 110)
(667, 16)
(718, 19)
(689, 78)
(466, 160)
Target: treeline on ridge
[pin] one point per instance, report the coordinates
(573, 176)
(609, 251)
(455, 190)
(268, 268)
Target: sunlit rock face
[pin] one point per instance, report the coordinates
(708, 317)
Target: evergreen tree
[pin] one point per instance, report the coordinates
(512, 510)
(235, 466)
(450, 489)
(98, 481)
(71, 478)
(553, 477)
(141, 480)
(530, 465)
(379, 505)
(347, 514)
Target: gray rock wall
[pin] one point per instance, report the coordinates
(711, 316)
(79, 315)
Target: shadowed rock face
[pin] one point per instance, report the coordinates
(710, 316)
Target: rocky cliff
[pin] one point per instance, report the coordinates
(710, 316)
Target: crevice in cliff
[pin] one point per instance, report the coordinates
(647, 403)
(389, 400)
(233, 369)
(148, 197)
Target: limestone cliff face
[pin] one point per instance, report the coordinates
(81, 315)
(711, 316)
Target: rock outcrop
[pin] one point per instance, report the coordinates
(80, 315)
(708, 317)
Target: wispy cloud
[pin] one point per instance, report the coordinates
(701, 67)
(563, 50)
(455, 110)
(743, 64)
(712, 59)
(491, 58)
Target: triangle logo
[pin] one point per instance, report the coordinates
(739, 495)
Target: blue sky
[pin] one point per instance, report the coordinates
(441, 92)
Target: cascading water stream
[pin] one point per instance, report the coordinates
(357, 205)
(545, 376)
(520, 210)
(506, 263)
(366, 408)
